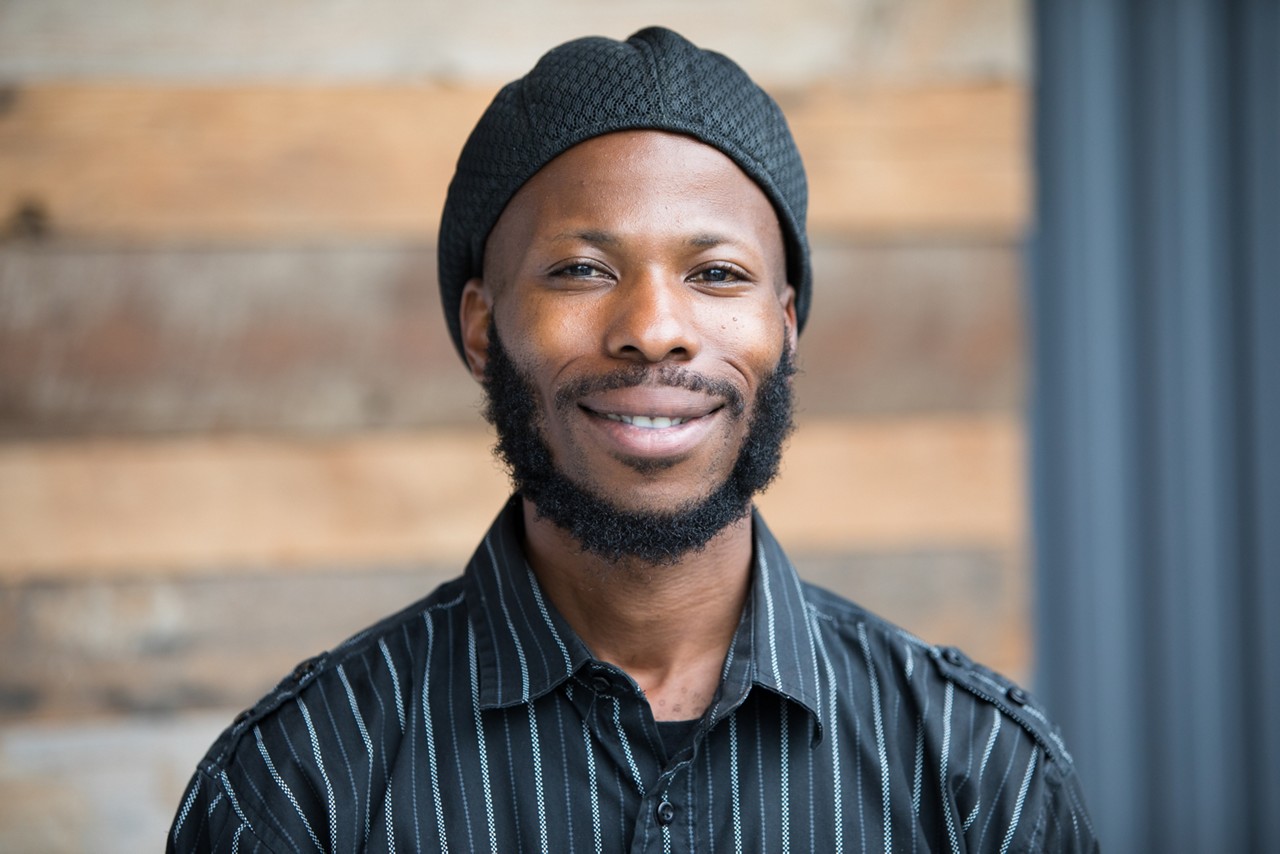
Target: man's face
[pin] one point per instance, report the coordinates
(637, 283)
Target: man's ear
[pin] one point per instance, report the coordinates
(475, 312)
(788, 300)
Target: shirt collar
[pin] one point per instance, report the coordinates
(784, 650)
(524, 648)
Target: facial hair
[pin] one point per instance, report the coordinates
(600, 527)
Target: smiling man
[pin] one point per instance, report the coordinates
(630, 662)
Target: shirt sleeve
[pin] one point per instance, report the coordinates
(210, 819)
(1064, 824)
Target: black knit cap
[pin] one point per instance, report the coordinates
(655, 80)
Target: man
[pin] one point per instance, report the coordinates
(630, 661)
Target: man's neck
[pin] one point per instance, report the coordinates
(667, 626)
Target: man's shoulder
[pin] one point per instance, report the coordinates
(392, 644)
(265, 775)
(928, 669)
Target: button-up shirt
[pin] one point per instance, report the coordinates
(477, 720)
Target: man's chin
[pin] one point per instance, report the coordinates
(649, 502)
(658, 530)
(649, 466)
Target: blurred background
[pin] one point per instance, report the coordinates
(233, 429)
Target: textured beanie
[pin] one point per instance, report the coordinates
(655, 80)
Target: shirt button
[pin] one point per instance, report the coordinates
(303, 670)
(602, 684)
(666, 813)
(1017, 695)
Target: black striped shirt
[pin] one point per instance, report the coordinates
(476, 720)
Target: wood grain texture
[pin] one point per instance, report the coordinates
(104, 509)
(494, 40)
(940, 159)
(155, 646)
(315, 340)
(270, 162)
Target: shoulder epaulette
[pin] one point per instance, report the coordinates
(1015, 702)
(286, 690)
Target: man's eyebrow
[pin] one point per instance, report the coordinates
(608, 238)
(589, 235)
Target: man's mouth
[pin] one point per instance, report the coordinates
(649, 422)
(662, 416)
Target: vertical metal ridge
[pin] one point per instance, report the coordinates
(1154, 423)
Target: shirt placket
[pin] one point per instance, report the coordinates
(666, 821)
(626, 732)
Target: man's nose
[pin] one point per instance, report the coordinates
(651, 319)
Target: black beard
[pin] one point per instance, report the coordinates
(597, 525)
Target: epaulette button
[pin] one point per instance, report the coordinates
(300, 672)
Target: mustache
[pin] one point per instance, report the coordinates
(633, 376)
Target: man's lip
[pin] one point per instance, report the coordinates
(651, 402)
(623, 420)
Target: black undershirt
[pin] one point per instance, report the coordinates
(676, 735)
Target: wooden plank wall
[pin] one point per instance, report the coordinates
(166, 163)
(233, 429)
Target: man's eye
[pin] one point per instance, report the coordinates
(578, 271)
(717, 275)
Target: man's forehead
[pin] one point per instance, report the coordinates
(610, 188)
(640, 160)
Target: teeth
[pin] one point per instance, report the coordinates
(656, 422)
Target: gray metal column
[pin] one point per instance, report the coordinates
(1155, 298)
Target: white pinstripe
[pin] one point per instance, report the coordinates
(945, 794)
(284, 787)
(515, 638)
(1017, 807)
(784, 803)
(235, 803)
(546, 618)
(185, 809)
(735, 794)
(386, 804)
(917, 782)
(395, 681)
(836, 774)
(769, 616)
(368, 746)
(785, 762)
(433, 768)
(539, 797)
(808, 615)
(982, 769)
(626, 746)
(591, 784)
(666, 836)
(474, 665)
(324, 775)
(878, 720)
